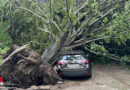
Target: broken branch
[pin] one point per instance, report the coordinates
(15, 52)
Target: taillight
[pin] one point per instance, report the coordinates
(86, 61)
(1, 81)
(87, 73)
(60, 63)
(60, 74)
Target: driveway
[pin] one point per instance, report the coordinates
(105, 77)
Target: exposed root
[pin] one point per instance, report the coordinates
(23, 67)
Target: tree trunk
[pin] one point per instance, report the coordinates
(53, 52)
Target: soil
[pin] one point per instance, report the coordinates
(23, 67)
(105, 77)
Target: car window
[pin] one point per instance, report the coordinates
(72, 57)
(78, 57)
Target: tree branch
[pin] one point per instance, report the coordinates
(108, 55)
(50, 7)
(34, 14)
(103, 6)
(77, 33)
(56, 25)
(71, 38)
(83, 6)
(15, 52)
(47, 31)
(38, 8)
(101, 17)
(96, 30)
(68, 11)
(84, 41)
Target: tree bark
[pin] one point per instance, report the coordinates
(53, 52)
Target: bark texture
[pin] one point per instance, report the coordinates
(53, 52)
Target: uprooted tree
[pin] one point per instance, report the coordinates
(58, 25)
(66, 24)
(23, 67)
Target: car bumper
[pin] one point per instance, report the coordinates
(73, 72)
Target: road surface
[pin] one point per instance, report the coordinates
(105, 77)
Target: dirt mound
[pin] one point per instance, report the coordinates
(23, 67)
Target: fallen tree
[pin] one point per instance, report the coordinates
(66, 25)
(22, 67)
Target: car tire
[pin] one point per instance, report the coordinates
(90, 73)
(90, 76)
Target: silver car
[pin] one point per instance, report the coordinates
(74, 64)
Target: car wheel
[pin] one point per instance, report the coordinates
(90, 73)
(90, 76)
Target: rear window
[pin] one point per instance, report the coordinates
(72, 57)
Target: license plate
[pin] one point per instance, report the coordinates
(87, 66)
(73, 65)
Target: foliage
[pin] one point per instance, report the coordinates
(3, 51)
(4, 37)
(121, 22)
(91, 23)
(120, 25)
(5, 40)
(23, 26)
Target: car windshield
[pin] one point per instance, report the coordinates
(72, 57)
